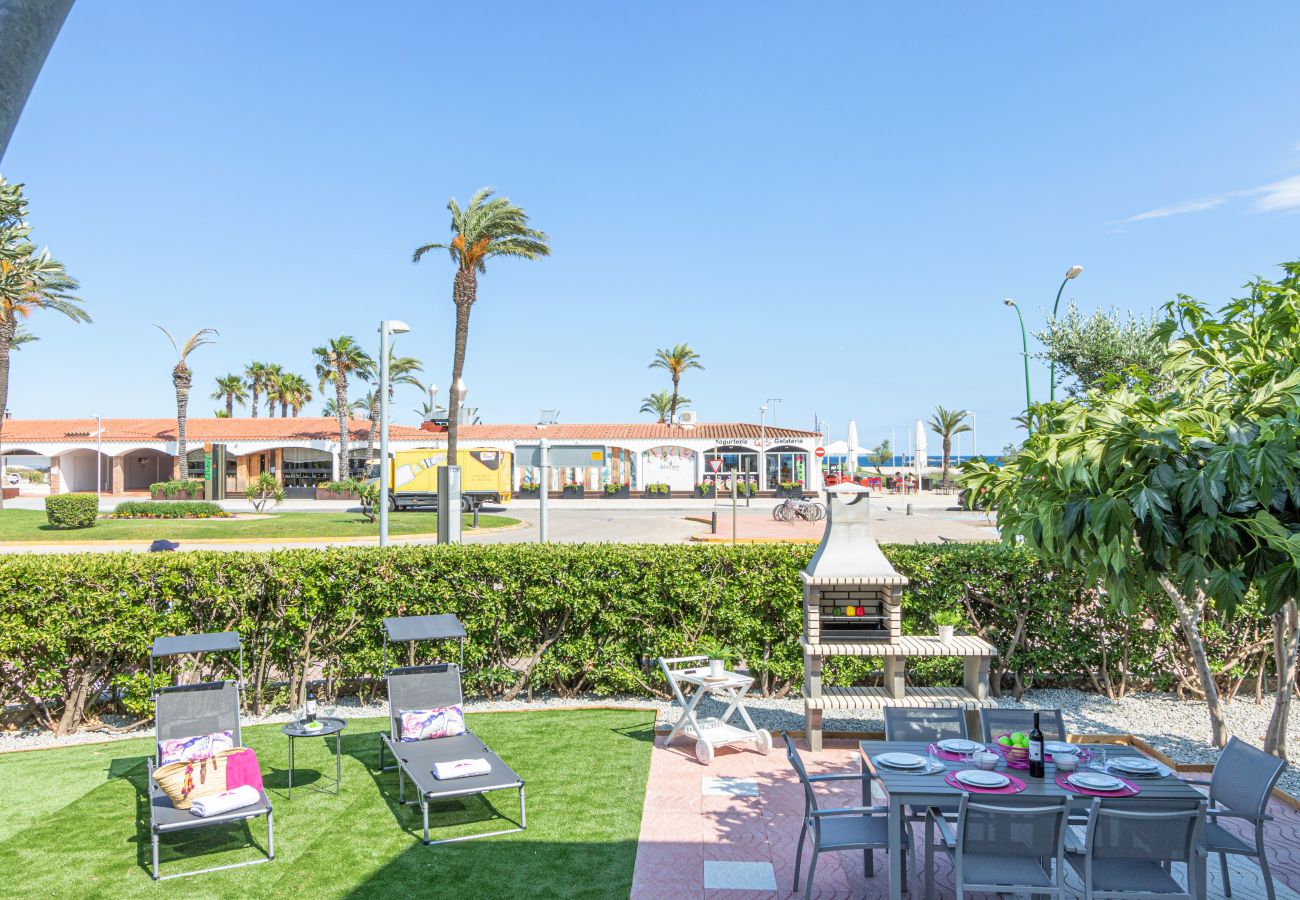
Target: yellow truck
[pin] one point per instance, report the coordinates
(413, 477)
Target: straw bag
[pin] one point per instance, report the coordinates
(185, 782)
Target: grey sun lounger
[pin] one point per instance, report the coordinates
(189, 711)
(428, 687)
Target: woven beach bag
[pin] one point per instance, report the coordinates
(185, 782)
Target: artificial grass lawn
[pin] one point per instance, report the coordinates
(31, 525)
(76, 821)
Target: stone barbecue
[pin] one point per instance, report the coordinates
(852, 606)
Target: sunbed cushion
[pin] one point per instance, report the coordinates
(187, 749)
(426, 724)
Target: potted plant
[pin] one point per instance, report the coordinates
(657, 491)
(177, 489)
(614, 490)
(336, 490)
(573, 491)
(947, 620)
(704, 489)
(530, 490)
(790, 489)
(746, 489)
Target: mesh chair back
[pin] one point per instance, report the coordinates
(189, 710)
(1012, 826)
(792, 754)
(421, 687)
(904, 724)
(1244, 777)
(1155, 831)
(994, 722)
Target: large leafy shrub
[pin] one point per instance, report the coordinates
(168, 509)
(177, 486)
(71, 510)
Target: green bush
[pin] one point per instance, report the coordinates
(71, 510)
(169, 509)
(591, 617)
(176, 486)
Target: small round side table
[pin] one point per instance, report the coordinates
(329, 726)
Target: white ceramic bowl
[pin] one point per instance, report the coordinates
(987, 761)
(1065, 762)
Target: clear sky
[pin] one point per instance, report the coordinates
(828, 202)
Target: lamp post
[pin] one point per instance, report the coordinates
(774, 401)
(387, 328)
(974, 437)
(1024, 343)
(762, 447)
(1073, 273)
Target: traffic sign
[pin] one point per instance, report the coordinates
(819, 452)
(715, 465)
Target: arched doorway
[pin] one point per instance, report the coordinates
(142, 467)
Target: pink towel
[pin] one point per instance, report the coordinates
(242, 769)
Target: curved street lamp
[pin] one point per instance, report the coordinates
(1075, 272)
(1024, 343)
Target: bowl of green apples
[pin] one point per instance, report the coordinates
(1015, 748)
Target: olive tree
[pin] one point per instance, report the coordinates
(1189, 489)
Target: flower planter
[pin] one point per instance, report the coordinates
(621, 494)
(179, 495)
(796, 492)
(945, 634)
(528, 493)
(702, 493)
(663, 495)
(323, 494)
(573, 493)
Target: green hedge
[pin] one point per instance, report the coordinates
(562, 618)
(71, 510)
(169, 509)
(177, 486)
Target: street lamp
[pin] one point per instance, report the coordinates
(762, 444)
(974, 442)
(774, 401)
(387, 328)
(1075, 272)
(1024, 343)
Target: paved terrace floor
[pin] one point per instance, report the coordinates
(728, 831)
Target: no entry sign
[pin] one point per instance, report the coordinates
(819, 452)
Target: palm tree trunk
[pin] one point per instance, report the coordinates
(8, 324)
(374, 420)
(464, 292)
(672, 411)
(181, 379)
(284, 409)
(230, 405)
(947, 451)
(254, 401)
(341, 401)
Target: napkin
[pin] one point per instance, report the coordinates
(461, 768)
(225, 802)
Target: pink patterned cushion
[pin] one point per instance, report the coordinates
(191, 748)
(423, 724)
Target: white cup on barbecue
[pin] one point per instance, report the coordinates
(1065, 762)
(715, 668)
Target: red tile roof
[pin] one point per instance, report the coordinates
(305, 428)
(713, 431)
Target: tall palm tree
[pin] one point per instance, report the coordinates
(274, 388)
(489, 227)
(331, 408)
(401, 370)
(182, 378)
(255, 375)
(335, 361)
(660, 404)
(232, 389)
(295, 393)
(946, 423)
(676, 360)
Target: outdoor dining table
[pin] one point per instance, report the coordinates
(922, 791)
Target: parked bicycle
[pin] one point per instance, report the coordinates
(808, 510)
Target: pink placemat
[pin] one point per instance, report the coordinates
(941, 753)
(1128, 790)
(1015, 787)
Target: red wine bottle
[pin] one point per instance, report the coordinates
(311, 707)
(1037, 766)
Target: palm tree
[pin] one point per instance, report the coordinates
(401, 370)
(182, 378)
(255, 375)
(489, 227)
(295, 393)
(946, 423)
(232, 389)
(335, 361)
(676, 360)
(274, 389)
(660, 404)
(331, 410)
(30, 280)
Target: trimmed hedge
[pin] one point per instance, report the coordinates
(71, 510)
(75, 629)
(190, 487)
(169, 509)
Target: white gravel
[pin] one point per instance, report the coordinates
(1178, 728)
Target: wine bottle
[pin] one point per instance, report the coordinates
(1037, 766)
(311, 707)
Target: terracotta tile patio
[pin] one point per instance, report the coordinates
(721, 831)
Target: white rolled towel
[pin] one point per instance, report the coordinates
(461, 768)
(226, 801)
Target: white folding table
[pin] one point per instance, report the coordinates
(692, 684)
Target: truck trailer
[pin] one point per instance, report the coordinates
(413, 477)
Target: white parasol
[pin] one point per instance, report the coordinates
(851, 463)
(921, 460)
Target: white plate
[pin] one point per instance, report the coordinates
(980, 778)
(1137, 764)
(1059, 747)
(1095, 781)
(959, 745)
(901, 760)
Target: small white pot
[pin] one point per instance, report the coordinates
(945, 634)
(715, 668)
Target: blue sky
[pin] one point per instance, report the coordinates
(830, 207)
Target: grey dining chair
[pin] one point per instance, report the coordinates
(1240, 786)
(906, 724)
(1002, 844)
(864, 828)
(1128, 849)
(994, 722)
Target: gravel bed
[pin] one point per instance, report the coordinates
(1177, 728)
